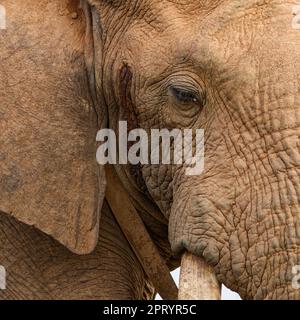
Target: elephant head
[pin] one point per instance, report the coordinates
(231, 68)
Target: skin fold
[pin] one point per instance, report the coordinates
(231, 68)
(39, 268)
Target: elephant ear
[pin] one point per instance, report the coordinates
(49, 177)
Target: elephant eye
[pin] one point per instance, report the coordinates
(184, 95)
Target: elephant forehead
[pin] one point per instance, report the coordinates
(205, 34)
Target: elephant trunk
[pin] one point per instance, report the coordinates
(257, 255)
(280, 278)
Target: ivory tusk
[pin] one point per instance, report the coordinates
(197, 280)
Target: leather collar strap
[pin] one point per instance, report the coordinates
(138, 237)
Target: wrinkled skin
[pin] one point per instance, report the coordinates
(46, 70)
(39, 268)
(242, 213)
(242, 60)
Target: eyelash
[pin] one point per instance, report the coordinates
(184, 95)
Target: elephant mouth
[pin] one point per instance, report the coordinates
(198, 280)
